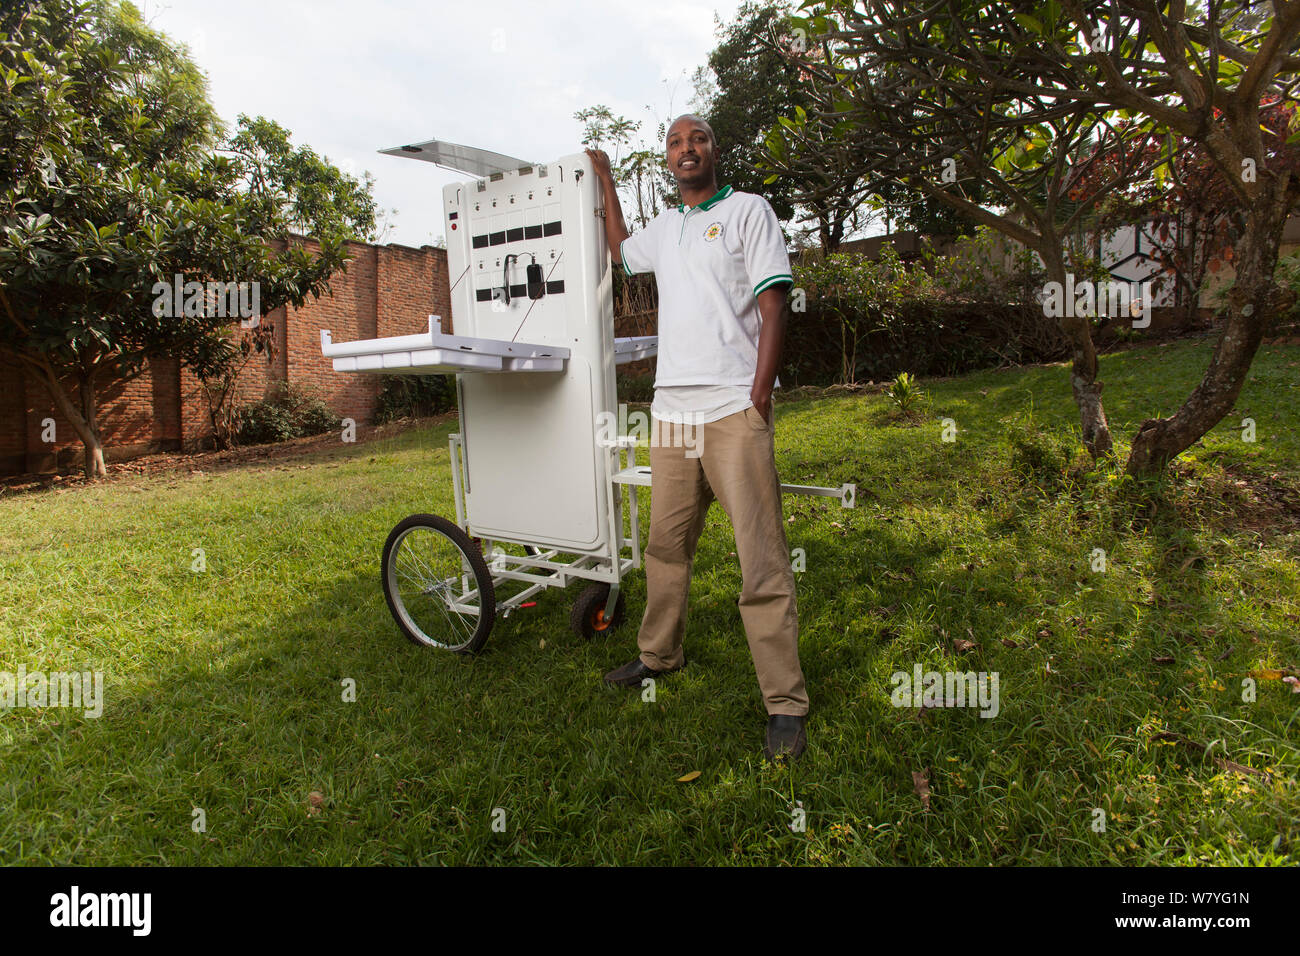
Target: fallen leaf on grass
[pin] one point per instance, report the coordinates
(1294, 682)
(1162, 660)
(688, 777)
(1007, 642)
(921, 784)
(1267, 674)
(960, 644)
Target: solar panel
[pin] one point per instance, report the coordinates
(463, 159)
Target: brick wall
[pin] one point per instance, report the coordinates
(13, 418)
(386, 290)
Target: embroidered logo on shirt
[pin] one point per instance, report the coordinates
(713, 231)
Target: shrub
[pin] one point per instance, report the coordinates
(286, 412)
(905, 393)
(872, 319)
(414, 396)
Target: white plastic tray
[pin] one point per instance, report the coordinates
(436, 352)
(635, 348)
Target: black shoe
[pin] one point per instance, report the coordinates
(631, 674)
(786, 738)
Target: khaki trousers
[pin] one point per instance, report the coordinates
(733, 459)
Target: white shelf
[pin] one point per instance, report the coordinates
(436, 352)
(635, 348)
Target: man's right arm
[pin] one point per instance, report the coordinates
(615, 227)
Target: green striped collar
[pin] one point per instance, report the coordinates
(713, 200)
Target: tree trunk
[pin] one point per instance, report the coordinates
(1083, 366)
(824, 233)
(84, 425)
(1251, 305)
(94, 458)
(94, 448)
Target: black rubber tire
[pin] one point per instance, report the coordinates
(472, 554)
(587, 617)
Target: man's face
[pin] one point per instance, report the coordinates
(690, 154)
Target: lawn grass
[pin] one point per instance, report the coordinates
(1122, 692)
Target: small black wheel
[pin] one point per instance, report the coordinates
(437, 585)
(588, 616)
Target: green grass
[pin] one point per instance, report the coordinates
(224, 688)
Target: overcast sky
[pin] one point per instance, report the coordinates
(349, 78)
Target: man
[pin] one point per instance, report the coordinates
(723, 273)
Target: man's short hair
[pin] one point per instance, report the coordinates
(699, 119)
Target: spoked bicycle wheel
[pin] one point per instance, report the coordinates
(437, 585)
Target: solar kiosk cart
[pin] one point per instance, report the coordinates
(537, 476)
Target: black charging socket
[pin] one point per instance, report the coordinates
(536, 284)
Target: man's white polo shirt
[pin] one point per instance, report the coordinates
(710, 262)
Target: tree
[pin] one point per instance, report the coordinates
(927, 216)
(944, 107)
(1207, 74)
(1188, 213)
(1016, 97)
(112, 183)
(748, 86)
(744, 89)
(832, 185)
(643, 171)
(290, 192)
(749, 83)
